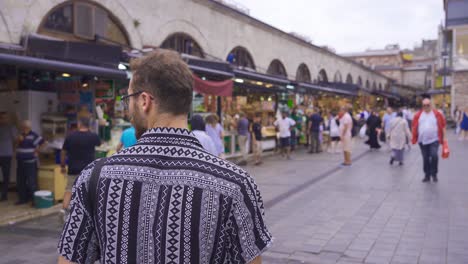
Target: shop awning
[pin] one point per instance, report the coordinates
(261, 89)
(61, 66)
(387, 95)
(255, 76)
(434, 92)
(204, 70)
(209, 67)
(327, 89)
(221, 88)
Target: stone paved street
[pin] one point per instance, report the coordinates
(320, 213)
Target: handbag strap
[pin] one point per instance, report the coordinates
(93, 184)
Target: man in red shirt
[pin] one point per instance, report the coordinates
(429, 130)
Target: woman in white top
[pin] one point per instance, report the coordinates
(215, 132)
(198, 129)
(399, 134)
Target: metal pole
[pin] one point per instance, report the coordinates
(444, 57)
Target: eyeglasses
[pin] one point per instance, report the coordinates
(126, 98)
(426, 105)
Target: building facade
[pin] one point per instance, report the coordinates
(202, 28)
(455, 50)
(412, 71)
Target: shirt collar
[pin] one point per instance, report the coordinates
(170, 135)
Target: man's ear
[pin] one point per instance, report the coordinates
(147, 102)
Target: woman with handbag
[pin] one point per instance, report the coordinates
(399, 133)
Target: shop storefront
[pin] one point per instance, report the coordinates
(54, 93)
(259, 94)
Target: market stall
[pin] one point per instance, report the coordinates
(53, 94)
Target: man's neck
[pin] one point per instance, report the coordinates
(83, 129)
(169, 121)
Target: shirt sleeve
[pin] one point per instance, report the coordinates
(78, 242)
(292, 122)
(38, 140)
(250, 236)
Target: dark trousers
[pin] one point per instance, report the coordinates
(293, 139)
(26, 180)
(5, 163)
(430, 158)
(315, 142)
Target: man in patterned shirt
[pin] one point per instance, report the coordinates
(165, 199)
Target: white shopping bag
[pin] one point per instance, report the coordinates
(362, 132)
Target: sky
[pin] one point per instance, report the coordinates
(353, 25)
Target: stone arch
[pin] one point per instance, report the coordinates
(338, 78)
(359, 81)
(349, 79)
(62, 20)
(276, 67)
(380, 86)
(368, 84)
(183, 43)
(303, 74)
(39, 10)
(374, 86)
(181, 26)
(322, 76)
(241, 57)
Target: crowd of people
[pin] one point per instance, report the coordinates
(330, 130)
(172, 169)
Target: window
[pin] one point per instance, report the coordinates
(183, 43)
(78, 21)
(322, 76)
(462, 44)
(303, 74)
(349, 79)
(61, 19)
(241, 57)
(338, 78)
(277, 68)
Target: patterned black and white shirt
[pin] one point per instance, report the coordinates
(166, 200)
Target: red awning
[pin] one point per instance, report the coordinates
(222, 88)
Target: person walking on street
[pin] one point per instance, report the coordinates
(165, 199)
(27, 151)
(346, 125)
(80, 148)
(198, 129)
(296, 131)
(429, 130)
(334, 132)
(399, 134)
(243, 137)
(316, 121)
(257, 139)
(464, 125)
(7, 138)
(457, 118)
(127, 139)
(284, 126)
(373, 127)
(386, 120)
(214, 129)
